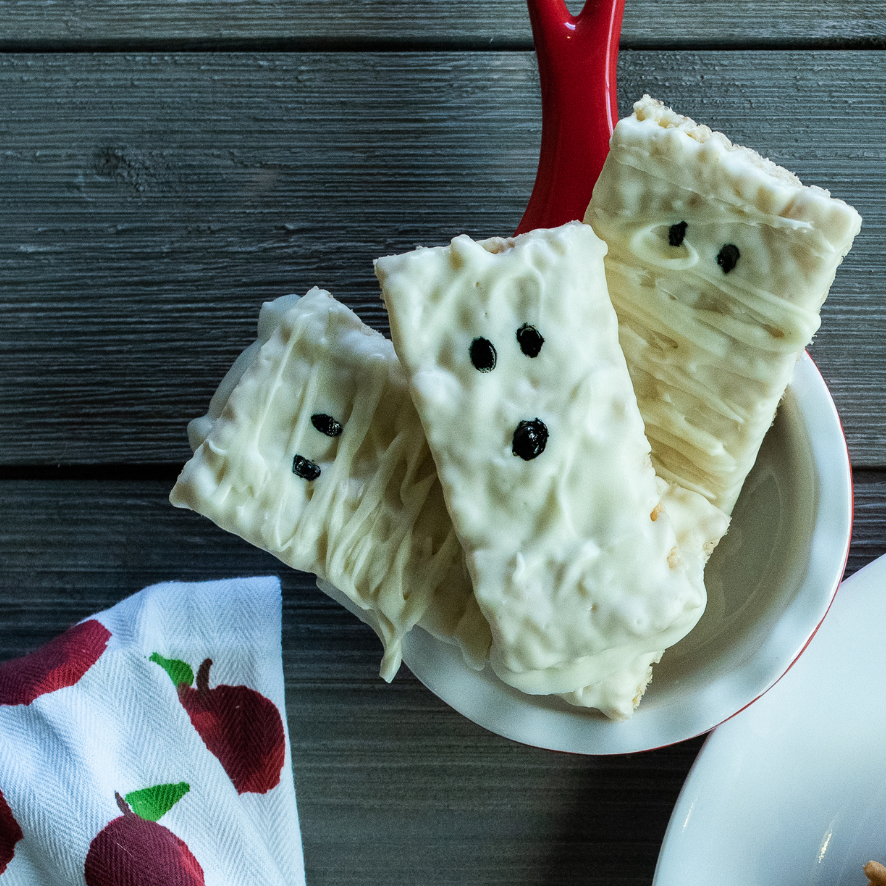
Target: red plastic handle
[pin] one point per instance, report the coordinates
(577, 56)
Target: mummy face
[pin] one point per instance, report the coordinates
(530, 435)
(329, 427)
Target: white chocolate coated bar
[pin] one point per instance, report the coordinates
(512, 356)
(312, 450)
(718, 264)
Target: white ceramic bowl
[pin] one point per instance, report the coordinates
(770, 583)
(793, 790)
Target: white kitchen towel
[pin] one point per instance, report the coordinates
(148, 746)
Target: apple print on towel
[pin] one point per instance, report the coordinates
(10, 834)
(60, 663)
(135, 850)
(238, 724)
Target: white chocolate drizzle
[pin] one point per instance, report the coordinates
(574, 562)
(711, 352)
(373, 523)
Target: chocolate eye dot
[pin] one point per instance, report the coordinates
(530, 340)
(483, 354)
(304, 468)
(530, 439)
(727, 257)
(326, 424)
(676, 233)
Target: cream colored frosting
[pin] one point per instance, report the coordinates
(574, 561)
(711, 352)
(699, 526)
(373, 523)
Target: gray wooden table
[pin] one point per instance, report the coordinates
(167, 165)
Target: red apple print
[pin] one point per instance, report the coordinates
(10, 833)
(133, 851)
(241, 727)
(61, 662)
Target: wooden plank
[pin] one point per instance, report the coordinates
(35, 24)
(393, 786)
(869, 525)
(150, 203)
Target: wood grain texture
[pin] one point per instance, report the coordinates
(393, 786)
(454, 23)
(150, 203)
(869, 526)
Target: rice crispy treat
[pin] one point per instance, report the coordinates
(718, 264)
(312, 450)
(510, 347)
